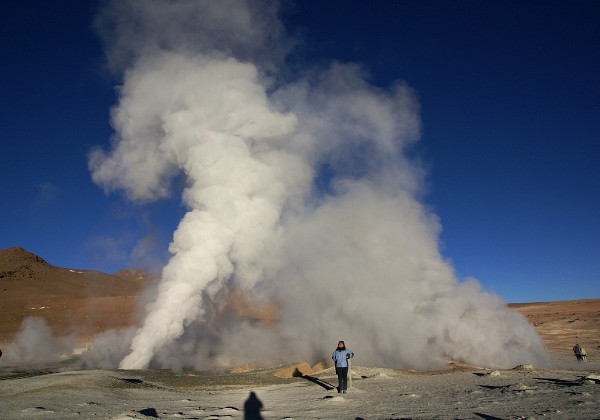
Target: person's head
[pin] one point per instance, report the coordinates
(341, 344)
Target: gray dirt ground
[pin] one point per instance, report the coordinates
(461, 393)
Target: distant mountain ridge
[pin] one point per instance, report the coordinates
(17, 262)
(83, 302)
(86, 302)
(18, 254)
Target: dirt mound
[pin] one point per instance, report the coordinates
(293, 371)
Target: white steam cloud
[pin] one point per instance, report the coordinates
(304, 224)
(34, 345)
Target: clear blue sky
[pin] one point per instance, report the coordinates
(510, 98)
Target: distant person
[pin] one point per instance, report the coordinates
(340, 357)
(580, 353)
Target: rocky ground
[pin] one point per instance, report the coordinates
(460, 393)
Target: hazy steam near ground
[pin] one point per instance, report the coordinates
(34, 345)
(304, 222)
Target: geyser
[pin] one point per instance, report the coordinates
(304, 224)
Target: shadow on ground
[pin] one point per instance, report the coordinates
(326, 385)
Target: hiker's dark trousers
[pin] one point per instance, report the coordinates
(342, 374)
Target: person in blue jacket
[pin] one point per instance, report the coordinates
(340, 358)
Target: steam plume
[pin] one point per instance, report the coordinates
(304, 224)
(34, 345)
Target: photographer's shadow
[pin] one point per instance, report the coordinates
(252, 408)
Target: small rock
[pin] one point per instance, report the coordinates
(523, 367)
(593, 377)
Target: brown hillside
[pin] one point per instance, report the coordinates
(72, 301)
(89, 302)
(564, 323)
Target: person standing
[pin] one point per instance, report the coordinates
(340, 358)
(580, 353)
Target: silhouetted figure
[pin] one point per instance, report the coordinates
(252, 408)
(340, 358)
(580, 353)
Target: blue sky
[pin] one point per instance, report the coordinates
(510, 106)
